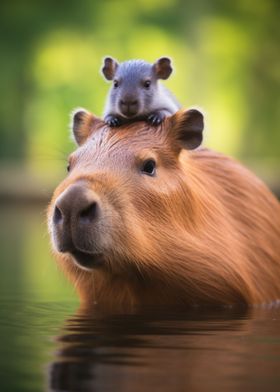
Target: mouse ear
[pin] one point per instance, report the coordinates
(109, 68)
(162, 68)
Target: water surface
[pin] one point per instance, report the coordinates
(46, 344)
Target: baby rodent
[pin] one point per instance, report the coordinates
(136, 93)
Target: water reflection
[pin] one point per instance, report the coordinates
(198, 350)
(220, 350)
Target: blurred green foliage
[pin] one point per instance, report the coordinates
(28, 270)
(226, 56)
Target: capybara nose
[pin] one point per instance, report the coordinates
(86, 214)
(76, 203)
(75, 210)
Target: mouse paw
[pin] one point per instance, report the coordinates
(112, 121)
(156, 118)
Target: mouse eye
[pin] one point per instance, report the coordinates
(68, 167)
(116, 83)
(149, 167)
(147, 83)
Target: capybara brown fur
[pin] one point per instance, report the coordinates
(145, 218)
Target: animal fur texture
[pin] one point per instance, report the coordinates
(203, 231)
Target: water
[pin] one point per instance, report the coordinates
(46, 344)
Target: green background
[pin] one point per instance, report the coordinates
(226, 57)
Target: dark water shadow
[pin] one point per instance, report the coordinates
(167, 351)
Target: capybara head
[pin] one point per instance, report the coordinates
(144, 218)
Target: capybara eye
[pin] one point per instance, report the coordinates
(116, 83)
(149, 167)
(147, 83)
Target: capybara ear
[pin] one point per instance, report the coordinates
(162, 68)
(82, 125)
(109, 68)
(187, 128)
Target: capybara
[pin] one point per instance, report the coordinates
(145, 218)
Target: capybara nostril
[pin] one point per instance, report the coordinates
(75, 211)
(89, 213)
(57, 216)
(77, 203)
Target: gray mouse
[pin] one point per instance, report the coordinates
(136, 93)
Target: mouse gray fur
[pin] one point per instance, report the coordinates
(136, 93)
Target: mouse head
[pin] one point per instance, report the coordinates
(135, 84)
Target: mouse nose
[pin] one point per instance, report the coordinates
(129, 106)
(129, 102)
